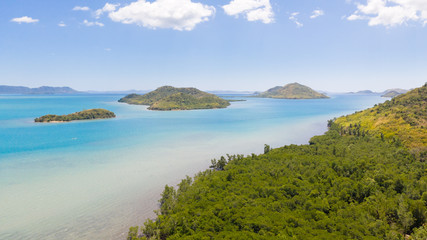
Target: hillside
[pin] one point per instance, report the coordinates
(83, 115)
(341, 186)
(40, 90)
(170, 98)
(292, 91)
(403, 118)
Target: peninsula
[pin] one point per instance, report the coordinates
(90, 114)
(292, 91)
(168, 98)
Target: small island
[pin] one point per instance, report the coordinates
(291, 91)
(169, 98)
(90, 114)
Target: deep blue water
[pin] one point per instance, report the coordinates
(93, 179)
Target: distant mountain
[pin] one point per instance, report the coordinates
(170, 98)
(40, 90)
(391, 93)
(292, 91)
(366, 92)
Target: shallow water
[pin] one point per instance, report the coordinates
(94, 179)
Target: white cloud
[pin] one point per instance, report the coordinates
(107, 8)
(62, 24)
(294, 19)
(90, 24)
(24, 19)
(317, 13)
(254, 10)
(79, 8)
(176, 14)
(391, 12)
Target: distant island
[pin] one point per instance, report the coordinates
(90, 114)
(168, 98)
(40, 90)
(391, 93)
(292, 91)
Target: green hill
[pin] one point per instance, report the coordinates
(340, 186)
(292, 91)
(403, 118)
(170, 98)
(83, 115)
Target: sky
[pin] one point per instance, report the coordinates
(251, 45)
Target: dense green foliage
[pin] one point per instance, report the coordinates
(292, 91)
(83, 115)
(170, 98)
(340, 186)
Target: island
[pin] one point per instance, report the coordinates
(169, 98)
(4, 89)
(365, 178)
(90, 114)
(292, 91)
(391, 93)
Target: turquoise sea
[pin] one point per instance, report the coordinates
(94, 179)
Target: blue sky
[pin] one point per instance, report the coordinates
(330, 45)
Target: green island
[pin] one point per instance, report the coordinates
(168, 98)
(365, 178)
(83, 115)
(292, 91)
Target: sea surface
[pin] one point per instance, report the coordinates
(95, 179)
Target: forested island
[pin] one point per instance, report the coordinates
(365, 178)
(90, 114)
(292, 91)
(168, 98)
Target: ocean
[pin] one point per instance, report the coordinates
(95, 179)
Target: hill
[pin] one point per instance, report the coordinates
(83, 115)
(391, 93)
(40, 90)
(341, 186)
(170, 98)
(403, 118)
(292, 91)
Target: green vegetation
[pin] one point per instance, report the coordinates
(292, 91)
(83, 115)
(342, 185)
(391, 94)
(170, 98)
(402, 119)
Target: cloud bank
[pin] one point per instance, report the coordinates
(391, 13)
(175, 14)
(24, 19)
(253, 10)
